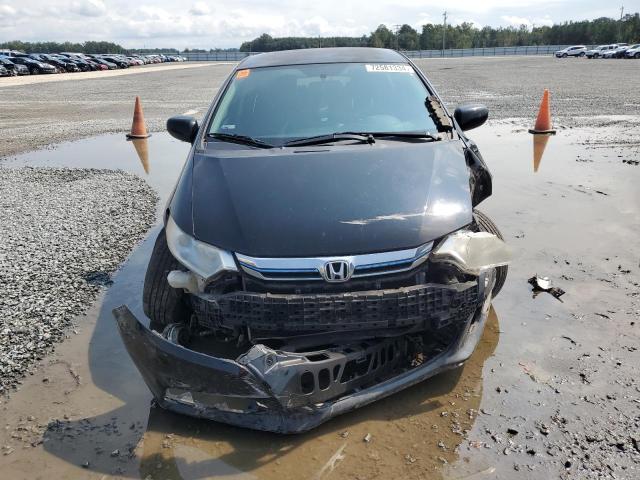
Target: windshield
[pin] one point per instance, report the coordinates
(279, 104)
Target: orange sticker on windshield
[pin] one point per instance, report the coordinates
(243, 73)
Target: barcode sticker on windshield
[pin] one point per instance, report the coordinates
(390, 68)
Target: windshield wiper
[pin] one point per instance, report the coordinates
(425, 135)
(332, 137)
(242, 139)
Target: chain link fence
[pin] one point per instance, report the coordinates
(453, 52)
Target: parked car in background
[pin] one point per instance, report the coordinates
(598, 52)
(4, 72)
(9, 53)
(60, 63)
(633, 51)
(117, 61)
(34, 66)
(574, 51)
(617, 50)
(82, 66)
(98, 66)
(103, 62)
(13, 68)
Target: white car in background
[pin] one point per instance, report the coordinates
(574, 51)
(617, 51)
(598, 51)
(633, 51)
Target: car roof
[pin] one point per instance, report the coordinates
(322, 55)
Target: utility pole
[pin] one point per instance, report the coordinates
(620, 24)
(444, 31)
(397, 32)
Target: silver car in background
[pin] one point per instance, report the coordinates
(599, 51)
(633, 51)
(573, 51)
(617, 51)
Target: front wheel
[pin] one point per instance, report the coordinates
(162, 303)
(564, 55)
(485, 224)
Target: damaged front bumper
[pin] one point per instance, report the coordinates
(288, 392)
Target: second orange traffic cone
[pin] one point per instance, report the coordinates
(138, 128)
(543, 122)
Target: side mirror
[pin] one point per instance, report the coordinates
(183, 128)
(471, 116)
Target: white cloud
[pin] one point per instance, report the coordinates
(516, 21)
(166, 23)
(88, 8)
(528, 22)
(7, 11)
(200, 8)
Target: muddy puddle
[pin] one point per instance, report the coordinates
(86, 413)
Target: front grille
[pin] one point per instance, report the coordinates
(428, 305)
(312, 268)
(304, 286)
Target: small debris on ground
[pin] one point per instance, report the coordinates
(544, 284)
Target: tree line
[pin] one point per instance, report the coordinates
(55, 47)
(466, 35)
(93, 47)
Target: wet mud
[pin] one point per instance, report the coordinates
(551, 390)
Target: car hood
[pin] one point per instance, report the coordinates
(327, 200)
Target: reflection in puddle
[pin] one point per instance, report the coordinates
(539, 145)
(142, 149)
(413, 431)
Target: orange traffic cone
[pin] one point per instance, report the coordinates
(543, 122)
(138, 128)
(142, 149)
(539, 145)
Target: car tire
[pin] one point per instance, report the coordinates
(582, 54)
(485, 224)
(564, 55)
(637, 55)
(162, 303)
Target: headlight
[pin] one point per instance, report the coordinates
(473, 252)
(201, 258)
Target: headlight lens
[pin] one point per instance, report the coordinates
(201, 258)
(473, 252)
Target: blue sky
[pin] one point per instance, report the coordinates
(207, 24)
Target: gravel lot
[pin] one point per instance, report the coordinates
(64, 231)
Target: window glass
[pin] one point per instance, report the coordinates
(278, 104)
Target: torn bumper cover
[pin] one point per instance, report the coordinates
(290, 392)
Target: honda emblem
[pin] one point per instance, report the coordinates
(337, 271)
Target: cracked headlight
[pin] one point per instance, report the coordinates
(473, 252)
(201, 258)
